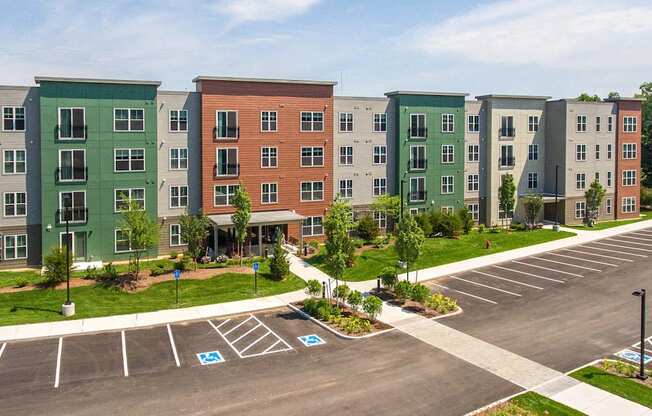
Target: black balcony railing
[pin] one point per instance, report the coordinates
(231, 133)
(76, 133)
(418, 132)
(507, 161)
(77, 215)
(71, 174)
(417, 196)
(230, 169)
(507, 132)
(417, 164)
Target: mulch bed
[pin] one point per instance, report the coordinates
(409, 305)
(347, 312)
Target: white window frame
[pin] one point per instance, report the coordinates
(130, 119)
(533, 179)
(62, 208)
(446, 186)
(130, 160)
(179, 236)
(533, 151)
(379, 156)
(381, 219)
(312, 226)
(179, 118)
(312, 191)
(630, 124)
(473, 182)
(448, 123)
(580, 123)
(269, 193)
(609, 151)
(311, 121)
(424, 126)
(474, 209)
(115, 242)
(610, 123)
(178, 158)
(473, 123)
(598, 153)
(72, 123)
(629, 177)
(532, 124)
(14, 118)
(417, 179)
(269, 121)
(237, 120)
(580, 152)
(598, 124)
(229, 195)
(609, 179)
(580, 210)
(628, 204)
(450, 154)
(379, 186)
(15, 247)
(379, 120)
(608, 205)
(473, 153)
(128, 195)
(345, 188)
(15, 204)
(73, 167)
(348, 122)
(346, 156)
(447, 209)
(312, 156)
(269, 157)
(413, 166)
(630, 151)
(580, 181)
(228, 162)
(179, 196)
(14, 162)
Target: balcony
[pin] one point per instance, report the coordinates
(507, 132)
(417, 165)
(507, 162)
(229, 170)
(78, 133)
(76, 215)
(417, 196)
(231, 133)
(65, 175)
(418, 133)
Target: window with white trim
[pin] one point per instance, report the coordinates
(597, 152)
(533, 124)
(598, 123)
(269, 193)
(121, 239)
(629, 204)
(629, 178)
(447, 210)
(629, 124)
(379, 186)
(473, 153)
(580, 125)
(448, 123)
(346, 188)
(227, 162)
(13, 118)
(15, 204)
(580, 152)
(381, 219)
(609, 178)
(223, 195)
(380, 155)
(268, 121)
(533, 152)
(128, 119)
(473, 123)
(418, 126)
(447, 153)
(447, 184)
(580, 210)
(269, 157)
(176, 238)
(178, 196)
(178, 120)
(122, 197)
(14, 162)
(72, 165)
(474, 209)
(312, 226)
(72, 123)
(580, 181)
(473, 182)
(15, 246)
(72, 206)
(312, 191)
(532, 180)
(629, 151)
(418, 159)
(226, 124)
(346, 155)
(610, 123)
(312, 156)
(312, 121)
(417, 189)
(380, 122)
(609, 151)
(608, 205)
(346, 122)
(179, 158)
(129, 160)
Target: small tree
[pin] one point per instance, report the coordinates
(355, 300)
(194, 232)
(55, 265)
(367, 228)
(313, 288)
(241, 216)
(423, 220)
(372, 305)
(588, 98)
(337, 224)
(279, 266)
(466, 219)
(141, 232)
(390, 205)
(532, 205)
(506, 199)
(409, 241)
(341, 292)
(594, 197)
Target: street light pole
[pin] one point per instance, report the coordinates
(641, 375)
(401, 212)
(68, 244)
(557, 197)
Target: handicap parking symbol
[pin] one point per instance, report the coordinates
(311, 340)
(633, 356)
(211, 357)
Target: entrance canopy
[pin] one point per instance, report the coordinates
(259, 218)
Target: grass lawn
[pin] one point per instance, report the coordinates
(620, 386)
(645, 215)
(531, 404)
(439, 251)
(10, 279)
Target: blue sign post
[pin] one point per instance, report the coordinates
(256, 266)
(177, 277)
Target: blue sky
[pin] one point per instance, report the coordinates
(550, 47)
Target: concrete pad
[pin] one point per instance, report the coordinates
(110, 323)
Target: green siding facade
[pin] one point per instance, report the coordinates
(433, 106)
(99, 101)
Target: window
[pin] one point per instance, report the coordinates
(312, 226)
(380, 155)
(629, 178)
(580, 152)
(312, 121)
(474, 209)
(15, 247)
(223, 195)
(178, 120)
(346, 155)
(629, 204)
(72, 206)
(129, 160)
(346, 188)
(532, 180)
(72, 165)
(447, 185)
(128, 119)
(473, 153)
(178, 196)
(580, 210)
(533, 124)
(580, 125)
(346, 122)
(608, 178)
(176, 239)
(597, 176)
(598, 123)
(597, 152)
(227, 162)
(610, 123)
(609, 147)
(447, 153)
(507, 126)
(14, 162)
(268, 193)
(629, 150)
(381, 219)
(418, 126)
(473, 123)
(13, 118)
(136, 195)
(447, 210)
(506, 155)
(580, 181)
(380, 186)
(418, 159)
(268, 120)
(15, 204)
(312, 156)
(312, 191)
(447, 123)
(473, 182)
(122, 243)
(72, 123)
(380, 122)
(179, 158)
(268, 157)
(416, 211)
(607, 205)
(629, 124)
(226, 124)
(533, 152)
(417, 189)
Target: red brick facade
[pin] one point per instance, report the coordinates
(628, 108)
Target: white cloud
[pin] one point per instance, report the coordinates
(572, 34)
(241, 11)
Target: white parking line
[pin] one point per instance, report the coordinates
(56, 375)
(237, 326)
(256, 342)
(274, 333)
(125, 366)
(466, 294)
(597, 255)
(530, 274)
(583, 259)
(174, 347)
(636, 238)
(621, 246)
(630, 242)
(507, 280)
(609, 250)
(546, 268)
(224, 322)
(224, 338)
(487, 286)
(245, 334)
(2, 349)
(568, 264)
(271, 346)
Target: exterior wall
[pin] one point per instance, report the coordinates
(99, 99)
(362, 139)
(473, 108)
(29, 182)
(288, 100)
(628, 108)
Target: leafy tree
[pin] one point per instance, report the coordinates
(646, 137)
(367, 228)
(506, 193)
(55, 265)
(194, 232)
(372, 305)
(594, 197)
(241, 216)
(423, 220)
(390, 205)
(355, 300)
(409, 241)
(449, 225)
(466, 219)
(532, 204)
(341, 292)
(337, 224)
(141, 231)
(613, 95)
(313, 288)
(588, 98)
(279, 266)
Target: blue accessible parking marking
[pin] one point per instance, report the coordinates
(311, 340)
(634, 356)
(211, 357)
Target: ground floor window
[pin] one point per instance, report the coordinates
(381, 219)
(312, 226)
(580, 210)
(447, 210)
(607, 204)
(629, 204)
(122, 244)
(223, 194)
(76, 240)
(474, 209)
(15, 247)
(502, 215)
(415, 211)
(175, 236)
(269, 193)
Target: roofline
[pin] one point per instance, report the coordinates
(352, 97)
(267, 80)
(626, 99)
(38, 80)
(437, 93)
(16, 87)
(575, 100)
(176, 92)
(509, 96)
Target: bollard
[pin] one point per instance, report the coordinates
(323, 290)
(305, 250)
(378, 285)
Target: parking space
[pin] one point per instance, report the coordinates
(29, 364)
(250, 337)
(90, 357)
(148, 350)
(632, 353)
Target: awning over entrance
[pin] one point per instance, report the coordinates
(547, 197)
(259, 218)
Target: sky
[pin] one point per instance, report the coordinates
(542, 47)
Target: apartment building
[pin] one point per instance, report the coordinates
(426, 141)
(514, 143)
(475, 182)
(628, 157)
(20, 184)
(275, 138)
(361, 167)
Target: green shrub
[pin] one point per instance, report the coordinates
(279, 265)
(183, 263)
(320, 309)
(380, 241)
(160, 268)
(646, 196)
(466, 219)
(354, 300)
(341, 292)
(419, 293)
(619, 367)
(357, 242)
(110, 272)
(352, 324)
(173, 255)
(56, 265)
(441, 304)
(388, 277)
(481, 228)
(367, 228)
(449, 226)
(435, 221)
(517, 226)
(314, 244)
(313, 287)
(350, 254)
(372, 305)
(21, 281)
(403, 290)
(423, 220)
(91, 273)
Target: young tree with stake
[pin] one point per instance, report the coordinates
(409, 241)
(506, 199)
(241, 216)
(194, 232)
(337, 224)
(141, 232)
(594, 197)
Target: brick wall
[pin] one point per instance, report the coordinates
(628, 108)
